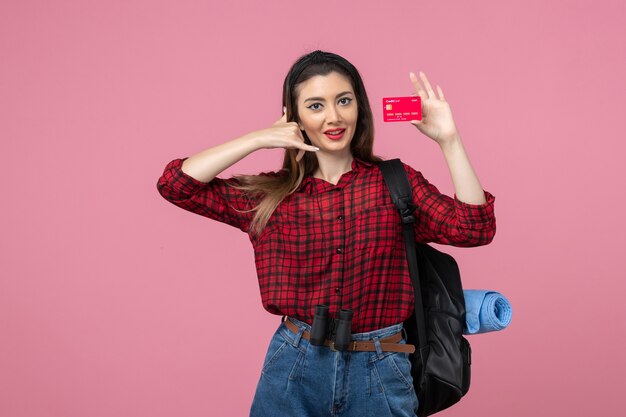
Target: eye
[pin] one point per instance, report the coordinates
(318, 104)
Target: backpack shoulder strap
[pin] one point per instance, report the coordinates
(401, 192)
(399, 187)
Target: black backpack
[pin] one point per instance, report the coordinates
(441, 363)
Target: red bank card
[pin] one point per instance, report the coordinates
(400, 109)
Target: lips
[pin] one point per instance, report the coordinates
(334, 131)
(335, 134)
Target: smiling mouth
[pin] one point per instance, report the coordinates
(335, 134)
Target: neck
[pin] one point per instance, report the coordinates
(332, 167)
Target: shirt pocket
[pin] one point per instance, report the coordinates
(378, 228)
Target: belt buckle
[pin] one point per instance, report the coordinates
(332, 346)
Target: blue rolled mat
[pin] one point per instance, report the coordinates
(485, 311)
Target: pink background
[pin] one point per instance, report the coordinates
(113, 302)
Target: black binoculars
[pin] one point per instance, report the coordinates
(338, 330)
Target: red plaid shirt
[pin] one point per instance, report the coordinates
(339, 245)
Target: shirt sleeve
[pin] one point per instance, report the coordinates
(446, 220)
(215, 199)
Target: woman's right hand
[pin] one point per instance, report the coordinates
(284, 134)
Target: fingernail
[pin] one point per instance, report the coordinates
(316, 148)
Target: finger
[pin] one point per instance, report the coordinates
(418, 88)
(310, 148)
(440, 93)
(302, 144)
(429, 88)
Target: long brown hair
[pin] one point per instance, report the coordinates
(274, 188)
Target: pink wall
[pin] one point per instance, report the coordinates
(114, 302)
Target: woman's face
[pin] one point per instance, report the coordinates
(328, 103)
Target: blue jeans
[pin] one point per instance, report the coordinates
(300, 379)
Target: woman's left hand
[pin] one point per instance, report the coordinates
(437, 122)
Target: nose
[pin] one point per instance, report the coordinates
(333, 114)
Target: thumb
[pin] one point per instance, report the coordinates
(283, 118)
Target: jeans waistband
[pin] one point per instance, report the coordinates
(378, 333)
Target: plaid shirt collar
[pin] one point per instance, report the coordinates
(313, 185)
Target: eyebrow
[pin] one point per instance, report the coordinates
(322, 99)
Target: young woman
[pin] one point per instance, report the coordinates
(325, 231)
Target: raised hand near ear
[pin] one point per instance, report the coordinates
(437, 122)
(284, 134)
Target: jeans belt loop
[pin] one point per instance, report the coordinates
(379, 349)
(298, 337)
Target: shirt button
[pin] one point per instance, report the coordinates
(337, 289)
(340, 217)
(339, 250)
